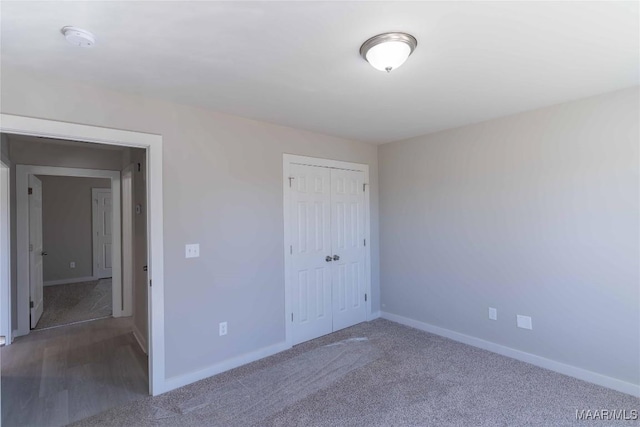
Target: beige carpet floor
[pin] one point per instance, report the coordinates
(377, 374)
(75, 302)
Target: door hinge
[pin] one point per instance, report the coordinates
(291, 249)
(30, 304)
(291, 178)
(365, 242)
(150, 283)
(364, 186)
(292, 317)
(30, 247)
(30, 191)
(365, 297)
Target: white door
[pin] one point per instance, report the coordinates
(102, 233)
(310, 246)
(347, 242)
(327, 220)
(35, 249)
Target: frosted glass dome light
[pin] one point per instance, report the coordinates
(388, 51)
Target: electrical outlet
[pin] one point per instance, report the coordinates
(223, 328)
(493, 313)
(524, 322)
(192, 250)
(72, 264)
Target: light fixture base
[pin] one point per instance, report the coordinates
(78, 36)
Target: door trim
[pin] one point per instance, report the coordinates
(20, 125)
(5, 252)
(287, 161)
(128, 251)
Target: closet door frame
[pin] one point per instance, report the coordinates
(288, 160)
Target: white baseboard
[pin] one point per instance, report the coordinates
(572, 371)
(67, 281)
(374, 315)
(142, 342)
(182, 380)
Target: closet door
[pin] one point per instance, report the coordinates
(310, 246)
(347, 242)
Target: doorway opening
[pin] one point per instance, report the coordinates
(141, 219)
(66, 228)
(73, 237)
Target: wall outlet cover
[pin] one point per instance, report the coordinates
(223, 328)
(493, 313)
(72, 264)
(524, 322)
(192, 250)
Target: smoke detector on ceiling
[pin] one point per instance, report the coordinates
(78, 36)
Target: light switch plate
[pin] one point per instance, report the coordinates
(72, 264)
(524, 322)
(192, 250)
(493, 313)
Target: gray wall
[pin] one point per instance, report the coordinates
(534, 214)
(45, 152)
(222, 189)
(67, 225)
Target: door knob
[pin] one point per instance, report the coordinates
(44, 253)
(328, 258)
(336, 257)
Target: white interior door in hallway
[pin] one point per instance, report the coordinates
(36, 251)
(327, 249)
(102, 213)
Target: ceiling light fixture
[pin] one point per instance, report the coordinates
(78, 36)
(388, 51)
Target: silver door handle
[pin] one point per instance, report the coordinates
(336, 258)
(328, 258)
(44, 254)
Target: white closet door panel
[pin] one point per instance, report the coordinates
(310, 245)
(347, 237)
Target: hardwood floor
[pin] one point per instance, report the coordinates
(58, 376)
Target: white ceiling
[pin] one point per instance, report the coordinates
(297, 63)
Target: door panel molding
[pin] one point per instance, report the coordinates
(288, 161)
(101, 256)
